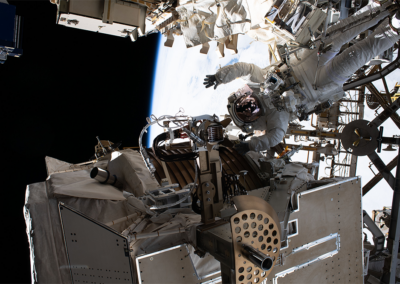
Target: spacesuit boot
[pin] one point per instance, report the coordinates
(395, 22)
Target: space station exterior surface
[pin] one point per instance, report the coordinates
(219, 199)
(196, 212)
(199, 22)
(10, 32)
(81, 230)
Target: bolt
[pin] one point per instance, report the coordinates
(208, 199)
(207, 184)
(151, 258)
(208, 192)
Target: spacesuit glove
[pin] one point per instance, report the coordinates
(211, 80)
(242, 147)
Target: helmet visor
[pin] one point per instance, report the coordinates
(247, 108)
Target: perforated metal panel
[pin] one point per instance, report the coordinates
(96, 253)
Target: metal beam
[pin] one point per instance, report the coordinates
(389, 269)
(379, 176)
(380, 165)
(313, 133)
(390, 140)
(387, 109)
(360, 104)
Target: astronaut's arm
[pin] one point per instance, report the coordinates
(241, 69)
(266, 141)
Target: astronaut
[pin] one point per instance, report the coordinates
(308, 81)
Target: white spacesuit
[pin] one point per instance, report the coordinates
(309, 79)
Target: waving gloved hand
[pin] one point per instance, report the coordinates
(242, 147)
(210, 80)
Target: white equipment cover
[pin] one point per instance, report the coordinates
(104, 203)
(202, 21)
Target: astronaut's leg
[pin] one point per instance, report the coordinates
(347, 29)
(344, 65)
(344, 31)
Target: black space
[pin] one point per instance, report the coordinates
(68, 87)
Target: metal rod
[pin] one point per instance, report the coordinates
(378, 177)
(385, 85)
(157, 234)
(102, 147)
(384, 104)
(389, 269)
(257, 258)
(384, 115)
(380, 165)
(122, 219)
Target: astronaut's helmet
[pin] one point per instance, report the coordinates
(248, 108)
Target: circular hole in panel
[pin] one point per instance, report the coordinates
(263, 274)
(249, 276)
(271, 226)
(245, 225)
(256, 280)
(260, 227)
(249, 269)
(259, 217)
(275, 241)
(255, 234)
(263, 246)
(237, 230)
(268, 240)
(260, 239)
(269, 248)
(252, 216)
(267, 264)
(275, 250)
(274, 233)
(265, 232)
(246, 234)
(241, 269)
(253, 225)
(239, 239)
(244, 217)
(241, 277)
(237, 220)
(266, 221)
(256, 272)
